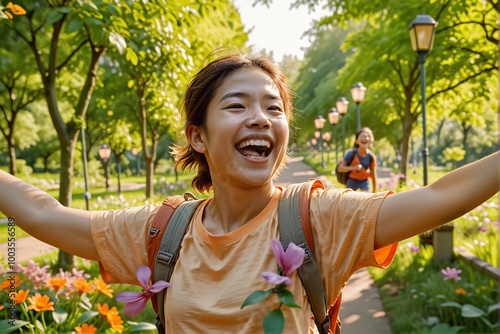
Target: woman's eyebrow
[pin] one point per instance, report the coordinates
(233, 94)
(244, 95)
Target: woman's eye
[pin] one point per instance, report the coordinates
(277, 108)
(235, 106)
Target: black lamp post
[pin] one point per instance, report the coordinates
(319, 123)
(104, 154)
(342, 105)
(422, 39)
(333, 117)
(326, 143)
(358, 95)
(135, 153)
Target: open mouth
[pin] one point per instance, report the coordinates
(255, 148)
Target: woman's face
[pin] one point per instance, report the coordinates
(364, 139)
(245, 135)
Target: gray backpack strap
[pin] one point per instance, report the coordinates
(168, 253)
(291, 230)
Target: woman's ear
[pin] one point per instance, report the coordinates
(195, 137)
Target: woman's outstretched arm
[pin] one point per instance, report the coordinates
(409, 213)
(46, 219)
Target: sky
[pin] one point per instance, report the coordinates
(277, 28)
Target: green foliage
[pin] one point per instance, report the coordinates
(22, 168)
(274, 322)
(256, 297)
(453, 154)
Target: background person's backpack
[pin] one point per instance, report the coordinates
(341, 176)
(174, 216)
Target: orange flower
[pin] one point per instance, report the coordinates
(460, 291)
(83, 286)
(40, 303)
(2, 307)
(20, 297)
(114, 320)
(103, 287)
(104, 309)
(85, 329)
(16, 9)
(56, 283)
(9, 15)
(7, 284)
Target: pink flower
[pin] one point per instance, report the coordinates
(413, 248)
(451, 273)
(136, 301)
(288, 262)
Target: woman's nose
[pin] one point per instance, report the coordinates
(258, 118)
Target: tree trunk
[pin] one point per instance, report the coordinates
(12, 156)
(118, 159)
(149, 177)
(65, 260)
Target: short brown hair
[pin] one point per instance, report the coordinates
(200, 92)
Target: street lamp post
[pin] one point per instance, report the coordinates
(342, 105)
(358, 95)
(104, 154)
(319, 123)
(422, 39)
(135, 153)
(421, 32)
(333, 117)
(326, 143)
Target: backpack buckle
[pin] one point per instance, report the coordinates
(308, 256)
(153, 232)
(165, 258)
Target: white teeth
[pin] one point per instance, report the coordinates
(255, 142)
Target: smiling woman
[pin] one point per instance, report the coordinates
(237, 113)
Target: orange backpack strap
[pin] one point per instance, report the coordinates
(295, 226)
(156, 231)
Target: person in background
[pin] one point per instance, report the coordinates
(361, 163)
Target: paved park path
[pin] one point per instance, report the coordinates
(361, 312)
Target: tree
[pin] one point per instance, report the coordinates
(166, 60)
(18, 89)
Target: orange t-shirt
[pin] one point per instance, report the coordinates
(215, 274)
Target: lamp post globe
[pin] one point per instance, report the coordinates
(358, 91)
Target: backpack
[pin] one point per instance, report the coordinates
(343, 176)
(174, 216)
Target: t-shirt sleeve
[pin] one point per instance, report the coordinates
(344, 223)
(349, 156)
(121, 241)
